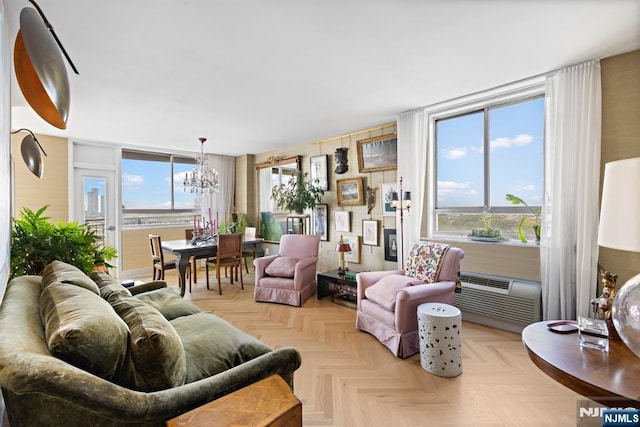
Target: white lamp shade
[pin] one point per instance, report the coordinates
(620, 211)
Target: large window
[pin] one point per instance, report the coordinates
(152, 189)
(481, 156)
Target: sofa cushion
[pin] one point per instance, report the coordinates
(384, 291)
(155, 347)
(108, 285)
(212, 345)
(58, 271)
(82, 329)
(168, 302)
(282, 267)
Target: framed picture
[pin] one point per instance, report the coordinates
(319, 170)
(354, 255)
(342, 220)
(385, 194)
(370, 232)
(350, 192)
(390, 245)
(321, 221)
(378, 154)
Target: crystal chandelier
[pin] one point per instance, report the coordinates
(203, 179)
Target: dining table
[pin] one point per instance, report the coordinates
(185, 249)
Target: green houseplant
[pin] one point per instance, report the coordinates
(297, 194)
(35, 242)
(536, 222)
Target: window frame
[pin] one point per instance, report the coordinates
(523, 91)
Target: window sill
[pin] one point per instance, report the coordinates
(514, 243)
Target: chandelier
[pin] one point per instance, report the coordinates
(203, 179)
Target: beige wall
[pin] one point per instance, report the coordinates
(136, 251)
(620, 138)
(372, 257)
(53, 188)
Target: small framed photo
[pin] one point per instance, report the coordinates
(354, 242)
(370, 232)
(342, 221)
(386, 190)
(350, 192)
(321, 221)
(378, 154)
(390, 245)
(319, 171)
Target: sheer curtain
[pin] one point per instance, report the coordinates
(412, 155)
(221, 202)
(568, 247)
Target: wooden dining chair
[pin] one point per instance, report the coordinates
(249, 233)
(188, 234)
(228, 254)
(159, 263)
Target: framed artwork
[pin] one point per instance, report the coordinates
(354, 255)
(319, 171)
(370, 232)
(385, 194)
(378, 154)
(350, 192)
(390, 245)
(342, 220)
(321, 221)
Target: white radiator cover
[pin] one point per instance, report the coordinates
(500, 302)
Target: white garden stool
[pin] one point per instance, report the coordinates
(439, 328)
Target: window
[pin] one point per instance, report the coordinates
(153, 192)
(481, 156)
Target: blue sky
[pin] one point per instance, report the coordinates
(516, 135)
(146, 185)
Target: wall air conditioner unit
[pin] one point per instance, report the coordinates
(500, 302)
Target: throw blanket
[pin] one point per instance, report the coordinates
(425, 260)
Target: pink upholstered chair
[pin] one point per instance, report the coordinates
(388, 300)
(290, 276)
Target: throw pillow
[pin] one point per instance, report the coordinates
(58, 271)
(385, 290)
(108, 285)
(155, 348)
(282, 267)
(82, 329)
(168, 303)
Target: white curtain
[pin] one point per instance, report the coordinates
(221, 202)
(568, 247)
(412, 158)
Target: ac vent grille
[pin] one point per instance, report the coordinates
(490, 282)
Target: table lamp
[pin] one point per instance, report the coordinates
(620, 229)
(341, 248)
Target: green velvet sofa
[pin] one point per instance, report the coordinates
(78, 350)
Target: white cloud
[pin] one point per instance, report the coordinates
(448, 190)
(506, 142)
(454, 153)
(132, 181)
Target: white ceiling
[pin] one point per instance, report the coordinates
(255, 75)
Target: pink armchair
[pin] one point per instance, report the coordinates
(388, 300)
(290, 276)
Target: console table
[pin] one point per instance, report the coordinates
(607, 378)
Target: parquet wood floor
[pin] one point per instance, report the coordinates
(348, 378)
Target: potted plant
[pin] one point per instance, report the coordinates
(35, 242)
(297, 194)
(536, 225)
(487, 232)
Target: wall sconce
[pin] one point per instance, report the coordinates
(40, 71)
(402, 202)
(30, 149)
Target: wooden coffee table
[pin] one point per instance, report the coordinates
(269, 402)
(611, 379)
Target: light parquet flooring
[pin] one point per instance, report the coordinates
(348, 378)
